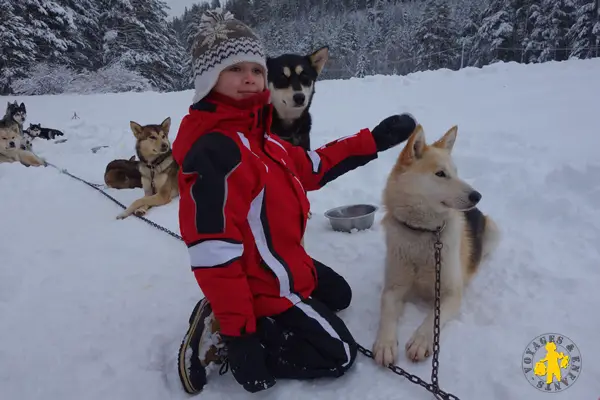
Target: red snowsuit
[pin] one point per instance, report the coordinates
(243, 206)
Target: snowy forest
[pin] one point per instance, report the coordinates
(95, 46)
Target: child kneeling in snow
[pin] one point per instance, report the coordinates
(243, 212)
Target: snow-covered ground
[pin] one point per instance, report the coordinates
(95, 308)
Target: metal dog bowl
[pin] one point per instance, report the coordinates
(349, 217)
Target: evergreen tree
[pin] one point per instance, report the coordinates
(138, 37)
(18, 48)
(436, 48)
(584, 34)
(86, 17)
(551, 21)
(467, 28)
(496, 36)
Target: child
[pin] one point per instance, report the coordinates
(243, 212)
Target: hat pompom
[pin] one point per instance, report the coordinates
(211, 18)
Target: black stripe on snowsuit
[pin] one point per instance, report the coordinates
(309, 340)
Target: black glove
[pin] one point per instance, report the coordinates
(393, 131)
(246, 358)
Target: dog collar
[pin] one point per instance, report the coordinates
(157, 163)
(439, 229)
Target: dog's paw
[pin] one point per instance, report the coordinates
(419, 346)
(140, 212)
(123, 215)
(385, 351)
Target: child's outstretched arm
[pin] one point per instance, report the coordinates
(215, 196)
(318, 167)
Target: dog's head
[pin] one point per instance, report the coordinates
(25, 143)
(34, 130)
(16, 112)
(291, 80)
(152, 140)
(427, 174)
(9, 139)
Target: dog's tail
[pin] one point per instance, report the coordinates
(491, 236)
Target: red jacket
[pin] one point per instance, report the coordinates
(243, 206)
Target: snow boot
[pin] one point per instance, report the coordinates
(201, 346)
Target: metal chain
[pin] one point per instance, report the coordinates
(432, 387)
(98, 187)
(436, 324)
(439, 393)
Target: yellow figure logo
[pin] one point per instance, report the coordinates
(551, 362)
(552, 368)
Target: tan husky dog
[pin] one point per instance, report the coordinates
(424, 195)
(157, 167)
(11, 151)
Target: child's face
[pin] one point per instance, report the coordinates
(241, 80)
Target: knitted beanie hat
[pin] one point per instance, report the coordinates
(221, 42)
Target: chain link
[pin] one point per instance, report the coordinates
(432, 387)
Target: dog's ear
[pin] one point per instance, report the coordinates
(166, 125)
(22, 106)
(319, 58)
(447, 141)
(132, 158)
(415, 147)
(136, 129)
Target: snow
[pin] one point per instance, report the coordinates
(95, 308)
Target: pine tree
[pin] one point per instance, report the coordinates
(467, 26)
(138, 37)
(584, 35)
(86, 17)
(18, 46)
(496, 36)
(241, 9)
(551, 20)
(436, 48)
(191, 21)
(261, 12)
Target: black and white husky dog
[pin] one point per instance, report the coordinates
(291, 80)
(36, 130)
(15, 117)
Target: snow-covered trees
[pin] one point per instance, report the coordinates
(435, 37)
(551, 20)
(136, 35)
(34, 31)
(584, 34)
(87, 37)
(81, 41)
